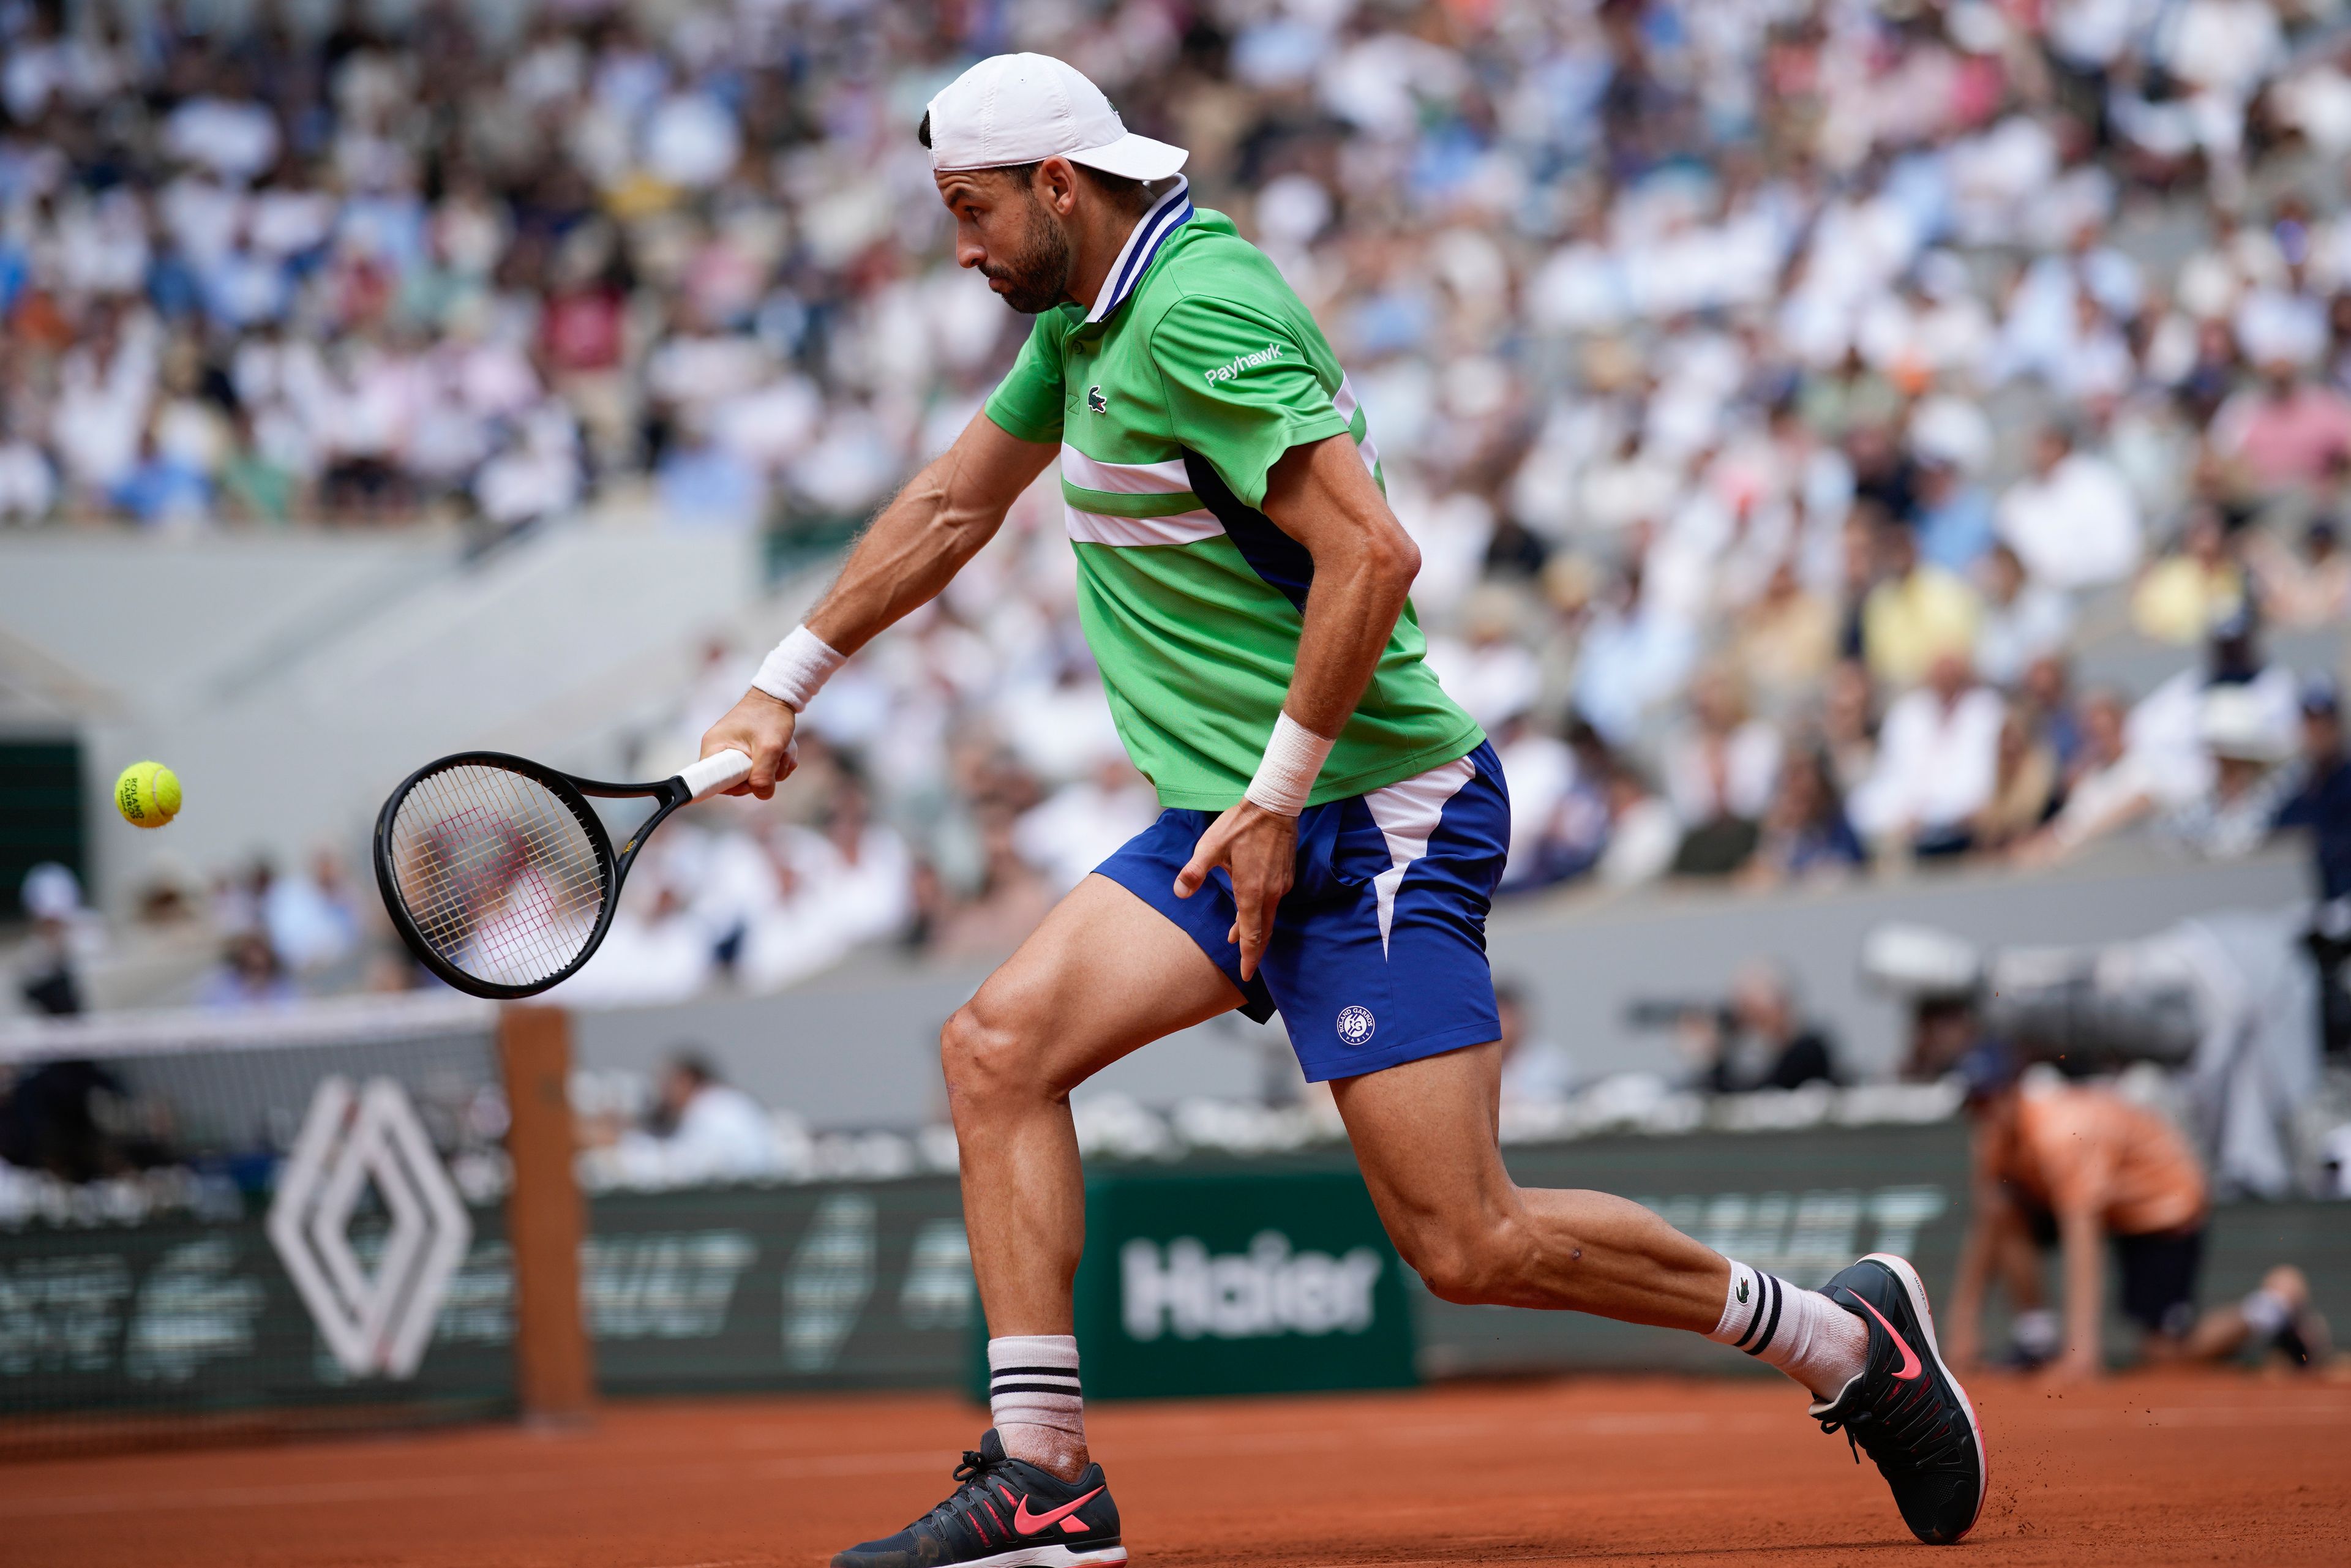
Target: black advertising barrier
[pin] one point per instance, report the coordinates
(684, 1291)
(1210, 1276)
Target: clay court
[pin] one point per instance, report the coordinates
(2173, 1470)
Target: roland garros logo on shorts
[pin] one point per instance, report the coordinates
(1355, 1025)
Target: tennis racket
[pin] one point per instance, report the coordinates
(499, 875)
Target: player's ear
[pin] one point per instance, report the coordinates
(1057, 185)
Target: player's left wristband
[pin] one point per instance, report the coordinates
(798, 668)
(1285, 776)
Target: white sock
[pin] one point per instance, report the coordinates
(1802, 1332)
(1032, 1381)
(2265, 1313)
(2037, 1333)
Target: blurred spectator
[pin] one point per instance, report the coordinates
(310, 919)
(2071, 522)
(1011, 901)
(702, 1131)
(65, 936)
(2108, 788)
(2024, 786)
(2183, 596)
(1642, 832)
(1759, 1041)
(1634, 658)
(2023, 620)
(2306, 589)
(1849, 726)
(1805, 833)
(1917, 615)
(1936, 763)
(2166, 728)
(2233, 819)
(2321, 804)
(1488, 670)
(2284, 433)
(250, 975)
(1785, 643)
(1081, 824)
(1536, 1071)
(67, 1119)
(1955, 517)
(1719, 770)
(2046, 694)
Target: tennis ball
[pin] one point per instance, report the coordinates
(148, 795)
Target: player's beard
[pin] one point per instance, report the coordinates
(1037, 277)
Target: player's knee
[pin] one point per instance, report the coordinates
(985, 1062)
(1469, 1264)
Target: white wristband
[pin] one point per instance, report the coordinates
(797, 667)
(1292, 761)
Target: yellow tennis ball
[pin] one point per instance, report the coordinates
(148, 795)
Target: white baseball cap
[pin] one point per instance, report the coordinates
(1022, 109)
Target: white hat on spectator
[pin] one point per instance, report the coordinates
(50, 892)
(1021, 108)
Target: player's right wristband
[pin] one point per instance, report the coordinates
(1286, 774)
(798, 668)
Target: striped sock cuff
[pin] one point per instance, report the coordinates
(1752, 1308)
(1032, 1381)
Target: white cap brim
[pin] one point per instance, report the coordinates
(1134, 157)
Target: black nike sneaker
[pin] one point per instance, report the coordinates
(1004, 1513)
(1904, 1408)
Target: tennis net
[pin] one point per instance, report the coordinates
(289, 1218)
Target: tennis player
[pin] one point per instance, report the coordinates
(1332, 829)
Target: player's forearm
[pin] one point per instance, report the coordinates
(920, 540)
(904, 558)
(1351, 612)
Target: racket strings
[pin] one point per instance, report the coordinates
(498, 873)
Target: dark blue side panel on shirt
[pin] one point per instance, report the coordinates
(1273, 555)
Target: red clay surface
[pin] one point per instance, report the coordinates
(2143, 1470)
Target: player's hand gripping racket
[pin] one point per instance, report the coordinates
(498, 875)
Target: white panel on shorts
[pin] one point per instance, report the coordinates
(1407, 814)
(1181, 528)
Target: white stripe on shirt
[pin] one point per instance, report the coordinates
(1123, 479)
(1100, 528)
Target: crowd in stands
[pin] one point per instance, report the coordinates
(1780, 391)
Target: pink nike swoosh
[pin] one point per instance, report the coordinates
(1910, 1367)
(1028, 1524)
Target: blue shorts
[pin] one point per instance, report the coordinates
(1378, 954)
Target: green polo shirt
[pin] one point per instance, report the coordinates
(1196, 372)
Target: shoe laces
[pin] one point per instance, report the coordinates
(971, 1480)
(1901, 1435)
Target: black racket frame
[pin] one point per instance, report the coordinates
(611, 866)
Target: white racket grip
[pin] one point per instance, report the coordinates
(719, 771)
